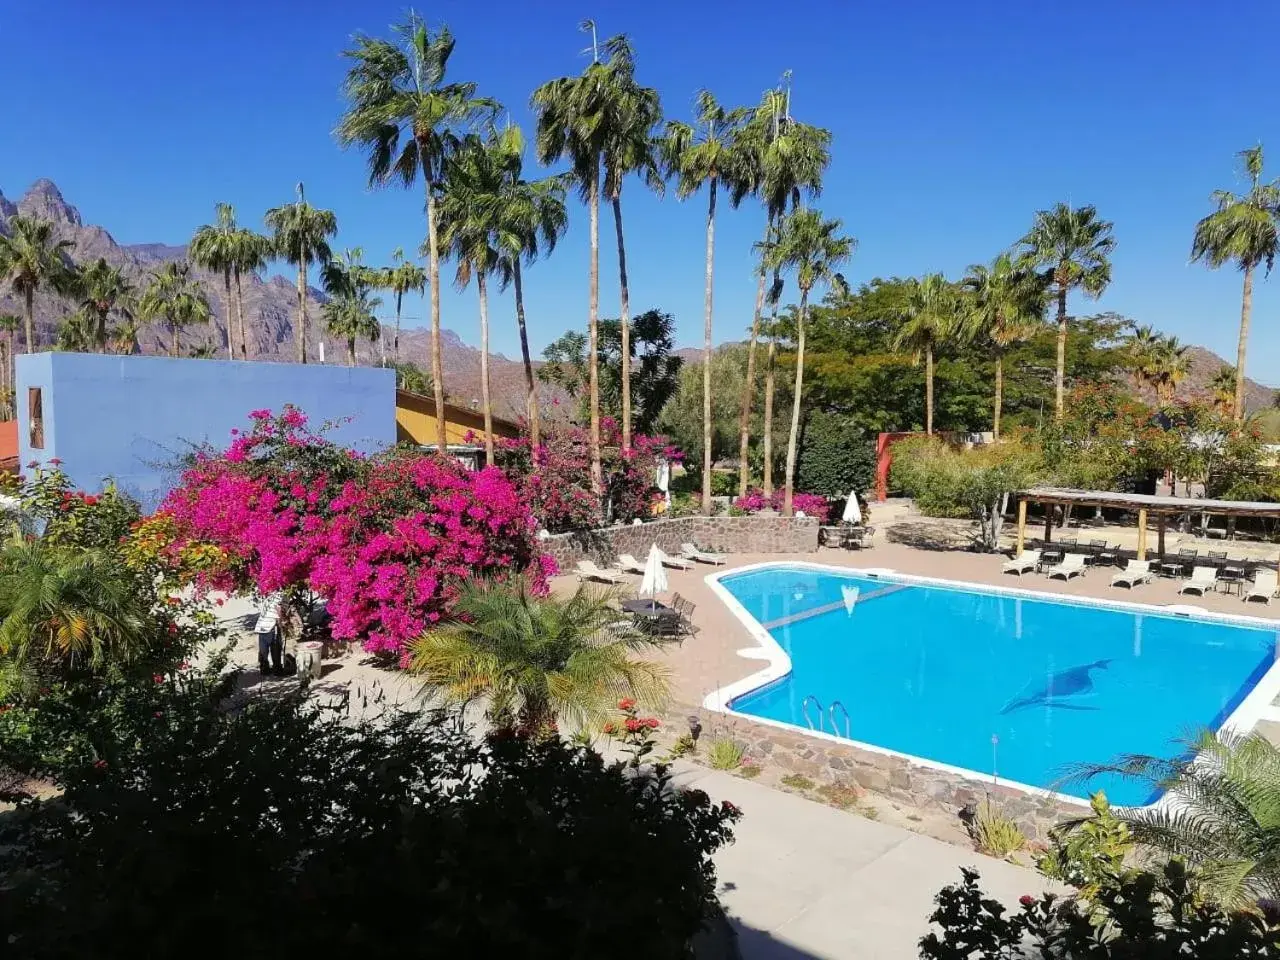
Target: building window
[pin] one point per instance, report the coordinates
(35, 417)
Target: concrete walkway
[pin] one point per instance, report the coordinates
(805, 880)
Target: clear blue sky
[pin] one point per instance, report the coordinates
(952, 123)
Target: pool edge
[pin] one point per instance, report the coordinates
(1253, 707)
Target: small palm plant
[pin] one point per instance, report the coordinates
(538, 659)
(1222, 815)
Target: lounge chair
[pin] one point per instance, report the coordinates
(1134, 573)
(587, 570)
(1072, 565)
(629, 564)
(691, 552)
(1024, 562)
(1264, 586)
(1203, 579)
(678, 562)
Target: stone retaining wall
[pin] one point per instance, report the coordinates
(894, 777)
(750, 534)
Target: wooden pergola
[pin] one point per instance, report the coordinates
(1145, 505)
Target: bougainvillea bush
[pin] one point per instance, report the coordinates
(811, 504)
(385, 539)
(555, 479)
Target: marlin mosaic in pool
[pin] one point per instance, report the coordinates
(1024, 689)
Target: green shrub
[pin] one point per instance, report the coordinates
(683, 747)
(797, 781)
(1088, 853)
(835, 456)
(995, 834)
(725, 754)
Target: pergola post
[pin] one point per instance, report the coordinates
(1142, 533)
(1160, 521)
(1022, 525)
(1048, 523)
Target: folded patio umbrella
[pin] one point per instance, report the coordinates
(852, 512)
(654, 581)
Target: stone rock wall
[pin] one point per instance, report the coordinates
(897, 778)
(750, 534)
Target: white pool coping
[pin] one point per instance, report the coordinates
(1256, 705)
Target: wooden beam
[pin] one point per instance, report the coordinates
(1022, 525)
(1142, 533)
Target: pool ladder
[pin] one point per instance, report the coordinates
(830, 714)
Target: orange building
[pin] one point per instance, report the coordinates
(416, 423)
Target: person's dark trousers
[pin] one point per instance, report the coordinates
(269, 646)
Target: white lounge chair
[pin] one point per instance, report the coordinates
(587, 570)
(1134, 573)
(1024, 562)
(691, 552)
(1072, 565)
(677, 562)
(1201, 582)
(629, 564)
(1264, 586)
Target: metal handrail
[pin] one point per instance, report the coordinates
(804, 706)
(831, 714)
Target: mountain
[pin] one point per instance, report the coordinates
(270, 304)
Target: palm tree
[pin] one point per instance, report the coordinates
(707, 156)
(30, 259)
(930, 318)
(1242, 230)
(173, 297)
(104, 290)
(531, 217)
(68, 610)
(401, 110)
(1170, 366)
(124, 340)
(1226, 818)
(573, 124)
(300, 234)
(537, 659)
(1222, 385)
(213, 248)
(469, 219)
(349, 314)
(1007, 307)
(403, 276)
(814, 248)
(782, 159)
(1075, 249)
(631, 113)
(250, 252)
(1141, 346)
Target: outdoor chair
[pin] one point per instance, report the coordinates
(1051, 556)
(1104, 555)
(587, 570)
(678, 562)
(1187, 557)
(629, 564)
(1203, 579)
(1217, 557)
(1072, 565)
(1024, 562)
(691, 552)
(1068, 542)
(1264, 587)
(1136, 572)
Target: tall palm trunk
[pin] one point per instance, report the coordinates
(485, 400)
(433, 277)
(995, 417)
(230, 309)
(593, 322)
(302, 308)
(769, 372)
(29, 317)
(395, 340)
(706, 350)
(1060, 373)
(351, 351)
(928, 389)
(748, 388)
(1246, 307)
(624, 322)
(792, 441)
(244, 334)
(531, 390)
(173, 339)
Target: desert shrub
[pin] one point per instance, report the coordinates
(797, 781)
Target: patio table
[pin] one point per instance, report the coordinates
(1171, 568)
(1231, 579)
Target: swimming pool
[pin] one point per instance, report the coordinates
(1001, 683)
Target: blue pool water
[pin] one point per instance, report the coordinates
(938, 672)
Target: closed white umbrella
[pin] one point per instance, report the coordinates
(852, 512)
(654, 581)
(850, 594)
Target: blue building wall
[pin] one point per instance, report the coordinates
(131, 418)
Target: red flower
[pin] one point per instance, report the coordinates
(610, 728)
(634, 725)
(1026, 899)
(99, 764)
(158, 677)
(626, 703)
(731, 807)
(90, 500)
(173, 629)
(651, 722)
(159, 714)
